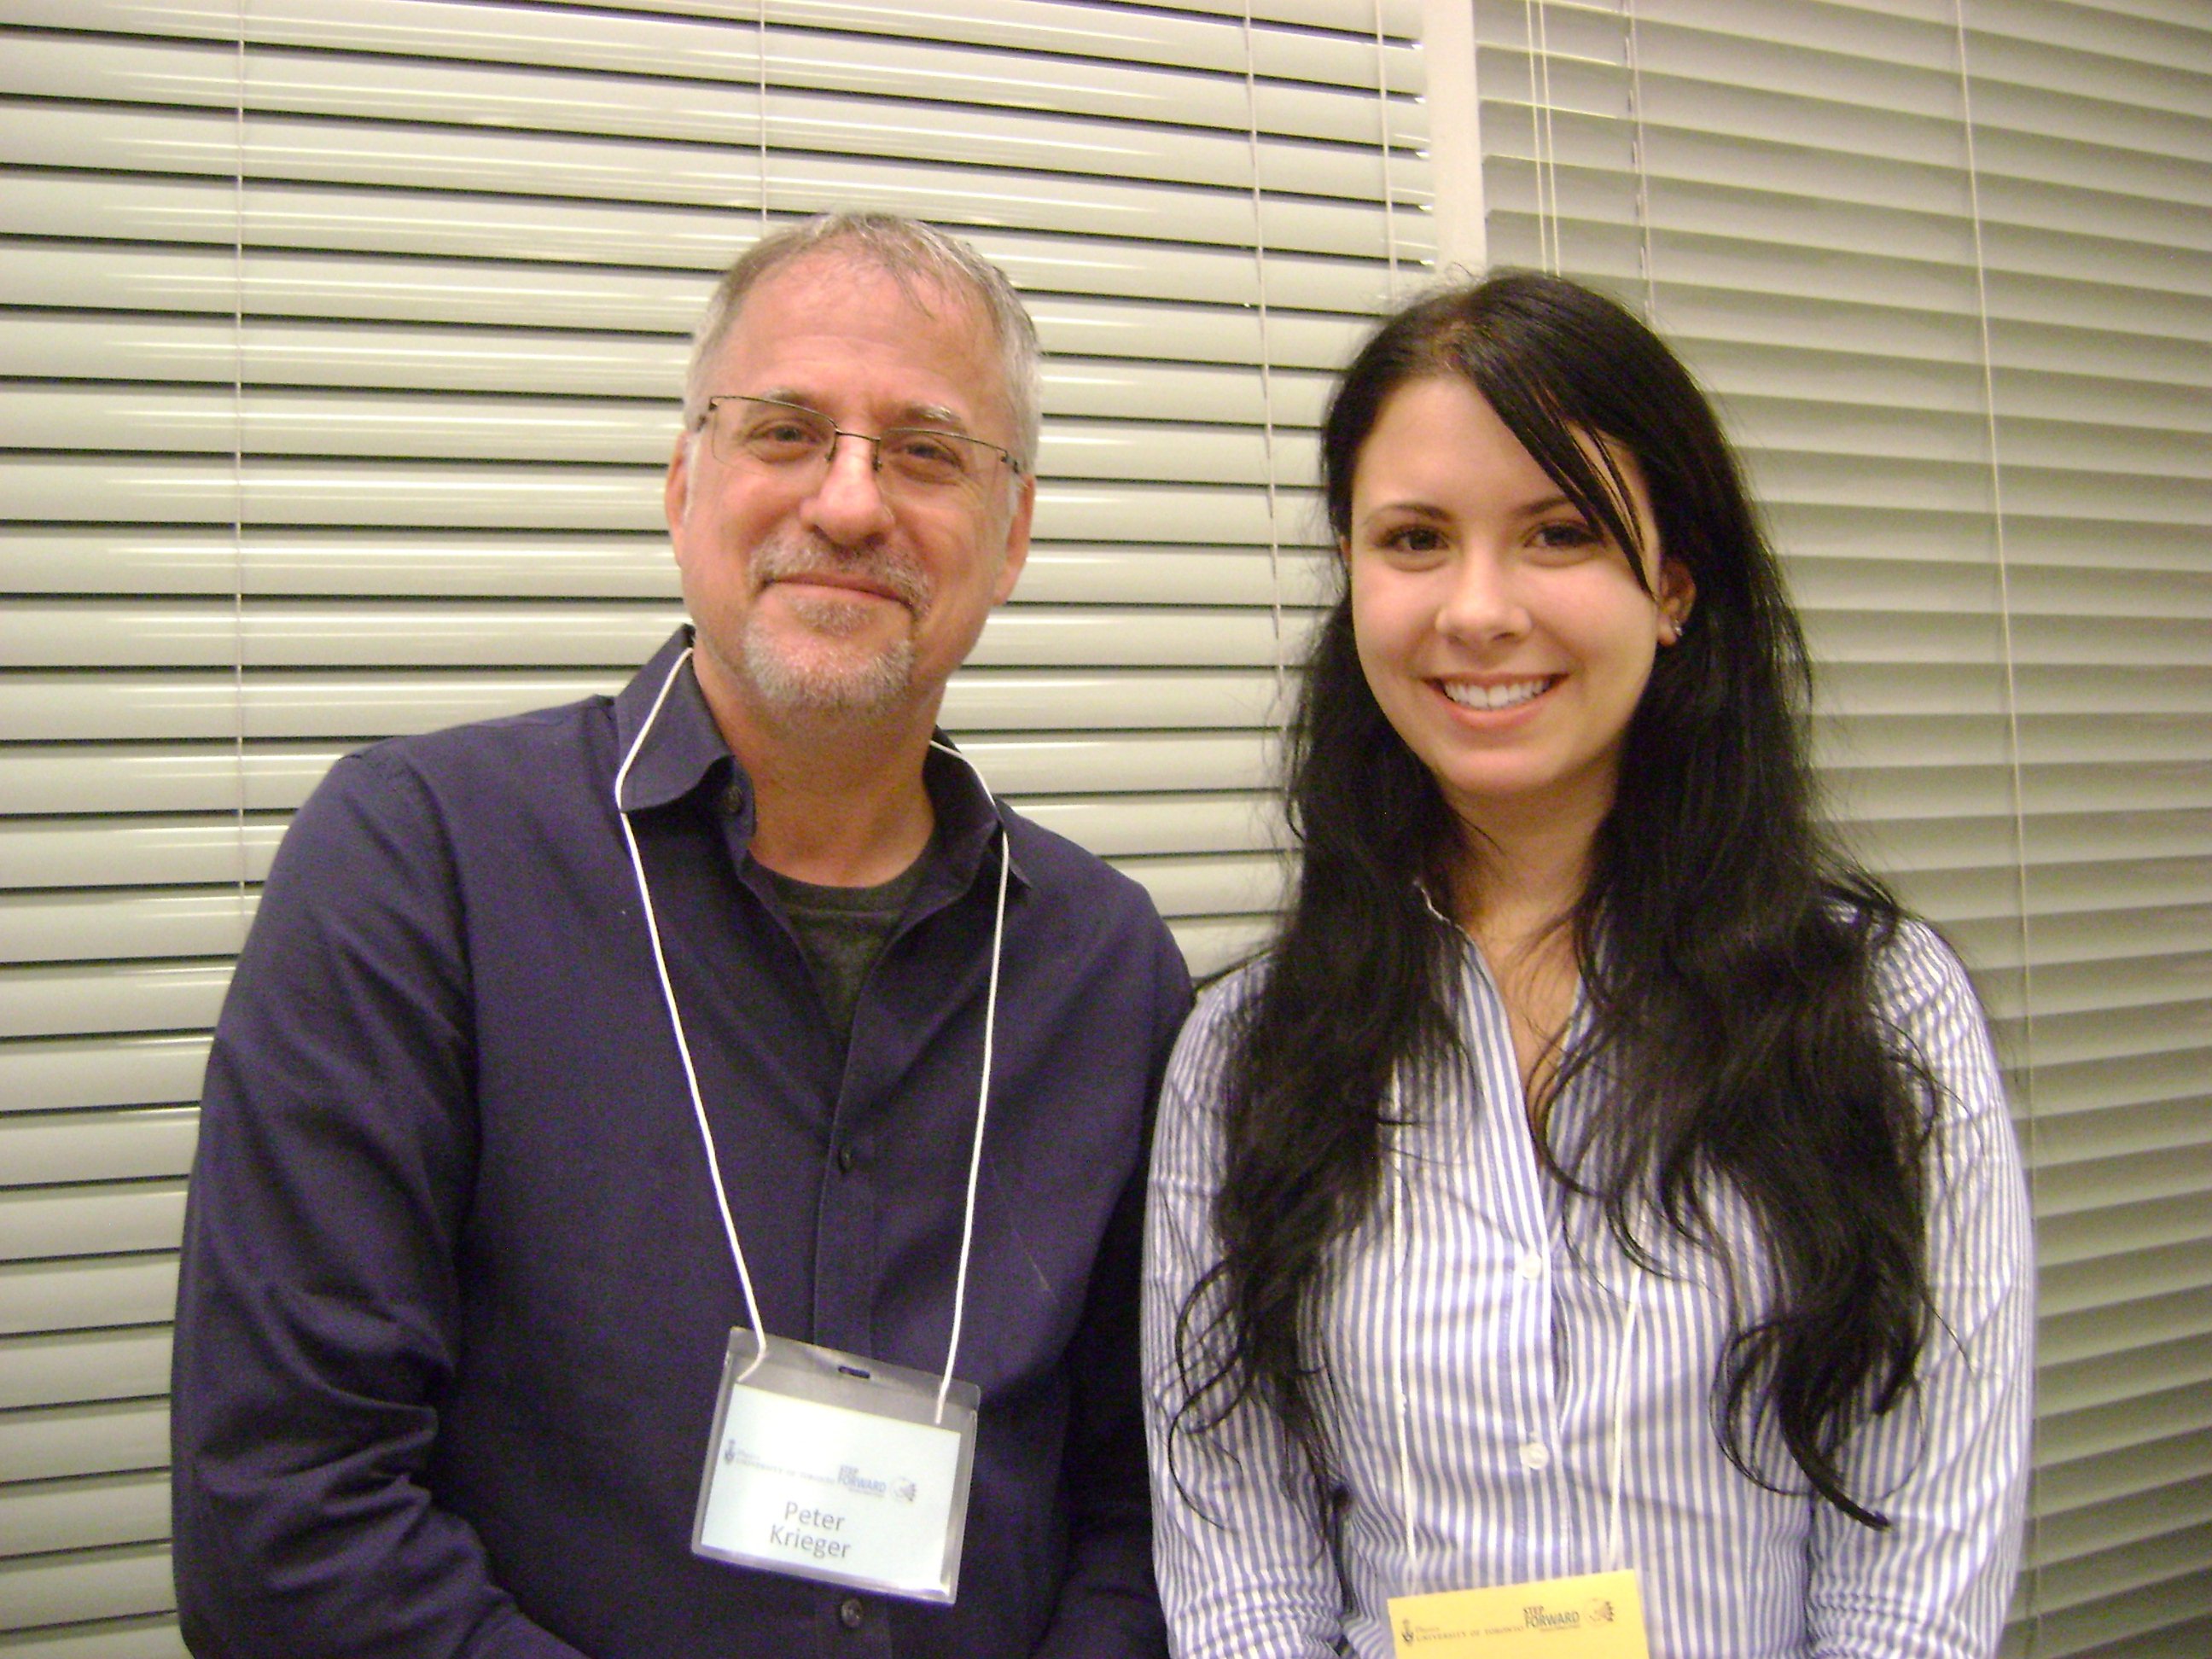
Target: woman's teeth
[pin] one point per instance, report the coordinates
(1493, 696)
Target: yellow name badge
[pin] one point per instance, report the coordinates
(1597, 1616)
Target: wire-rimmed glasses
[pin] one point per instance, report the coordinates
(792, 437)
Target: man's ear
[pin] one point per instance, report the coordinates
(1017, 540)
(676, 489)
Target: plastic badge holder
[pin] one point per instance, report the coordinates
(836, 1467)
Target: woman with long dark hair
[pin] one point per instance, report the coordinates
(1598, 1173)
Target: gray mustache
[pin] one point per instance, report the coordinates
(784, 558)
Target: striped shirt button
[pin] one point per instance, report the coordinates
(1531, 1265)
(1535, 1455)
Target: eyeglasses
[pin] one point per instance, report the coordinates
(791, 436)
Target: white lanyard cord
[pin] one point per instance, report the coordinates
(1616, 1458)
(692, 1075)
(982, 1091)
(675, 1022)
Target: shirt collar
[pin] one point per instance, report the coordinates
(684, 744)
(685, 747)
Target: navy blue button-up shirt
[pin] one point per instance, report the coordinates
(455, 1295)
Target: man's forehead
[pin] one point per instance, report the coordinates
(902, 319)
(834, 283)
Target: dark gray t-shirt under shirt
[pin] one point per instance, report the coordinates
(841, 930)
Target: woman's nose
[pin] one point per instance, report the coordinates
(1482, 601)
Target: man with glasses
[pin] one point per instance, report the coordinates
(589, 1076)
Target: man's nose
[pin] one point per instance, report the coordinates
(848, 505)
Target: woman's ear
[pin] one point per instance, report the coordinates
(1678, 594)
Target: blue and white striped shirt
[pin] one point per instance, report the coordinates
(1495, 1307)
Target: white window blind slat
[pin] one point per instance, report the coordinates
(109, 998)
(68, 1074)
(63, 633)
(139, 1290)
(460, 260)
(378, 494)
(473, 354)
(619, 37)
(146, 780)
(113, 927)
(116, 1509)
(40, 1445)
(1119, 819)
(487, 427)
(937, 97)
(96, 559)
(118, 1583)
(137, 707)
(728, 50)
(90, 1220)
(96, 1146)
(51, 134)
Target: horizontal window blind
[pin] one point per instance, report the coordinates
(1948, 266)
(342, 341)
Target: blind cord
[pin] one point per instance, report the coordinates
(1266, 361)
(1537, 27)
(238, 464)
(2016, 769)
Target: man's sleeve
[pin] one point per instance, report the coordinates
(1948, 1466)
(317, 1299)
(1109, 1606)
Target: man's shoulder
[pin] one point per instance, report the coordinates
(526, 757)
(1068, 875)
(528, 778)
(479, 750)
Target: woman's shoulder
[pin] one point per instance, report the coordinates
(1928, 1002)
(1919, 977)
(1223, 1005)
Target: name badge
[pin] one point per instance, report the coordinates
(835, 1466)
(1599, 1615)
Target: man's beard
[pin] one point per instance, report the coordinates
(808, 674)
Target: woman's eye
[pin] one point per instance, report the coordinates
(1411, 538)
(1566, 536)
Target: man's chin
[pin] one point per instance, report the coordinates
(831, 612)
(824, 679)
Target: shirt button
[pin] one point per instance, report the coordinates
(845, 1167)
(850, 1613)
(1536, 1456)
(1530, 1266)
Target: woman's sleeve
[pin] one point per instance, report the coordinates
(1242, 1573)
(1949, 1465)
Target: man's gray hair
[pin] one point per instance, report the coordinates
(916, 256)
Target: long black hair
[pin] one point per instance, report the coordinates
(1726, 949)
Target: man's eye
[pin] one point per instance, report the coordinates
(782, 433)
(928, 452)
